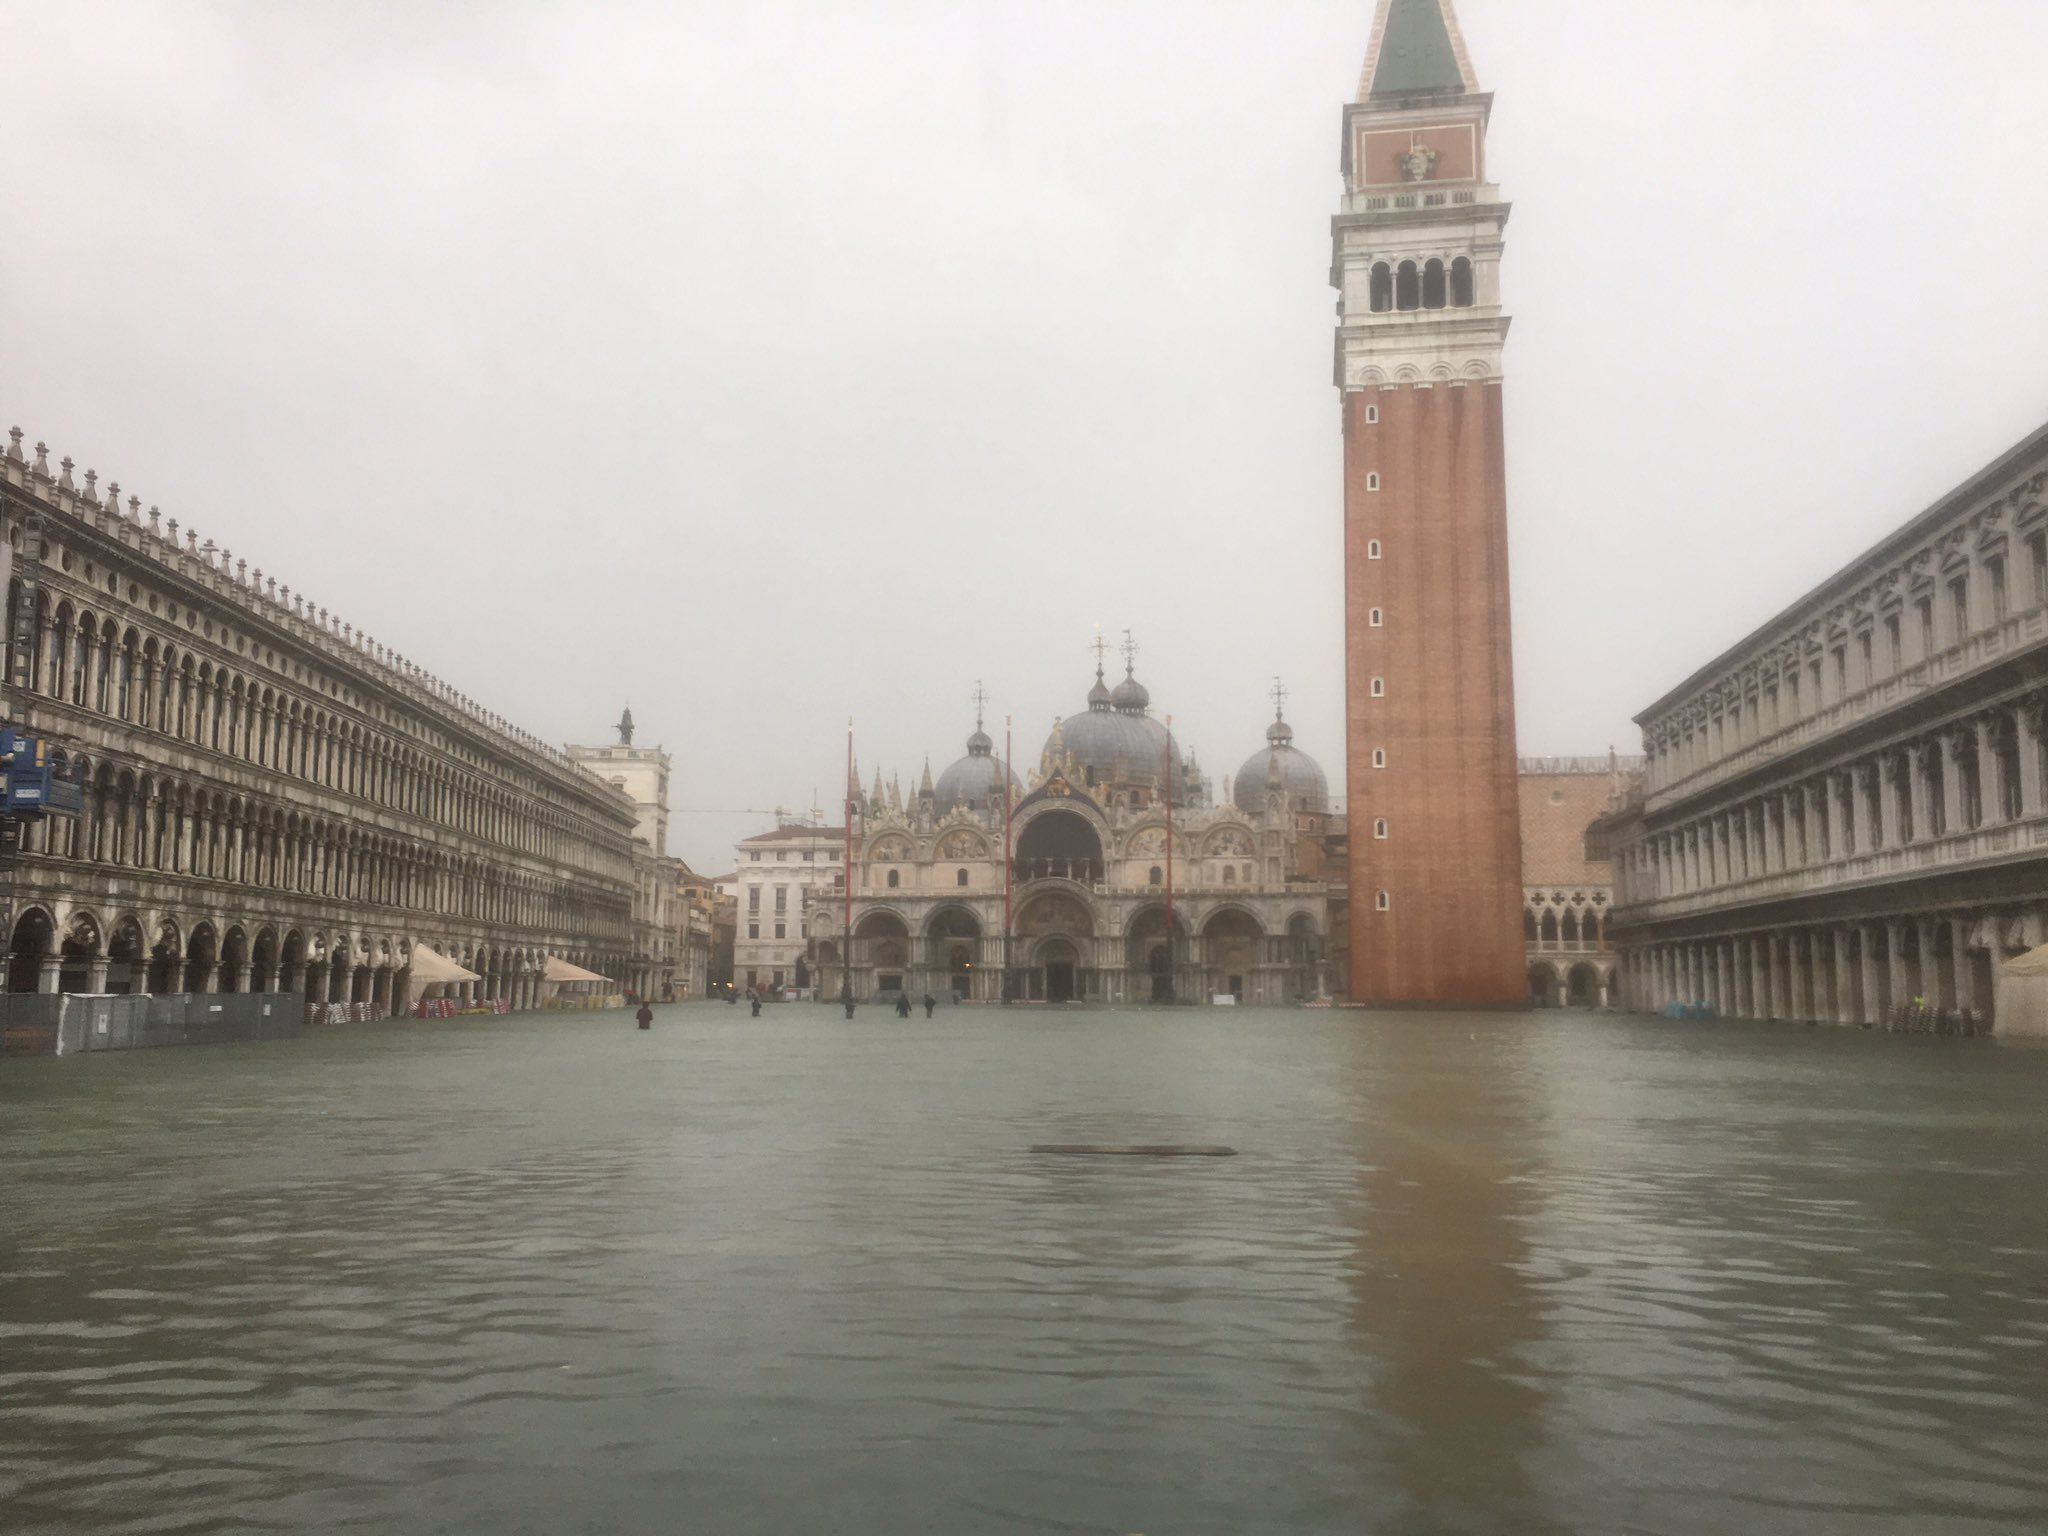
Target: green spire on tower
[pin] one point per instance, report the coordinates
(1415, 51)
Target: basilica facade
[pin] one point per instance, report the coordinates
(1109, 873)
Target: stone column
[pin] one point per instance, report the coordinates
(1952, 782)
(96, 974)
(1990, 793)
(1866, 958)
(1891, 779)
(2027, 730)
(1959, 949)
(50, 973)
(1860, 777)
(1845, 979)
(1895, 963)
(1930, 965)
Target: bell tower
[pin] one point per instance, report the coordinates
(1436, 856)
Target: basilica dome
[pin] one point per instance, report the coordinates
(1115, 743)
(976, 780)
(1301, 778)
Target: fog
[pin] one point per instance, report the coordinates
(765, 365)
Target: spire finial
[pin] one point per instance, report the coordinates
(1279, 697)
(1130, 650)
(1101, 648)
(980, 701)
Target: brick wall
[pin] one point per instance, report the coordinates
(1451, 862)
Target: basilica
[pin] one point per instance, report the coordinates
(1111, 874)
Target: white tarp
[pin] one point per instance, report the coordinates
(2022, 1007)
(558, 969)
(430, 966)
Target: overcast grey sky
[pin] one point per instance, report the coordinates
(765, 363)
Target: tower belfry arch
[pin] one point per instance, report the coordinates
(1430, 731)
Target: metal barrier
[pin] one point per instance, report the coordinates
(51, 1024)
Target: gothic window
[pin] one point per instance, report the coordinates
(1382, 288)
(1433, 285)
(1461, 284)
(1408, 287)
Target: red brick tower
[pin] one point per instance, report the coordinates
(1436, 854)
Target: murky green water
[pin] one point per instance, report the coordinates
(1500, 1274)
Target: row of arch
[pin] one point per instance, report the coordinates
(128, 954)
(1578, 927)
(155, 685)
(160, 822)
(1056, 955)
(1431, 284)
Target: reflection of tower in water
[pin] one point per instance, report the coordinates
(1443, 1306)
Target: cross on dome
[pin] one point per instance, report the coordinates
(1279, 697)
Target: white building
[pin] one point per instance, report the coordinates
(782, 877)
(638, 773)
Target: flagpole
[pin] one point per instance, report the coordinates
(1170, 989)
(1006, 857)
(846, 921)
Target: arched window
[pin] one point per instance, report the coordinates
(1408, 287)
(1379, 757)
(1379, 828)
(1433, 285)
(1154, 878)
(1372, 480)
(1461, 284)
(895, 879)
(1372, 549)
(1375, 618)
(960, 878)
(1379, 687)
(1383, 902)
(1372, 415)
(1381, 296)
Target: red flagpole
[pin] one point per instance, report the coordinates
(1169, 852)
(1006, 858)
(846, 924)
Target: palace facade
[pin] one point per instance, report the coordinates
(274, 801)
(1112, 875)
(1845, 812)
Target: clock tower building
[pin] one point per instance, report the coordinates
(1435, 839)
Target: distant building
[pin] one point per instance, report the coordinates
(1568, 886)
(694, 913)
(1127, 879)
(640, 774)
(781, 879)
(1845, 811)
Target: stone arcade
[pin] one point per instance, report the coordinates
(273, 801)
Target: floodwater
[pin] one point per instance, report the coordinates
(1467, 1274)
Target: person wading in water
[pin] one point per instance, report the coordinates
(930, 1003)
(645, 1016)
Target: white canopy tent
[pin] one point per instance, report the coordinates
(431, 967)
(556, 969)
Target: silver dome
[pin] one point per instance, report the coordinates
(976, 780)
(1131, 695)
(1118, 746)
(1301, 778)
